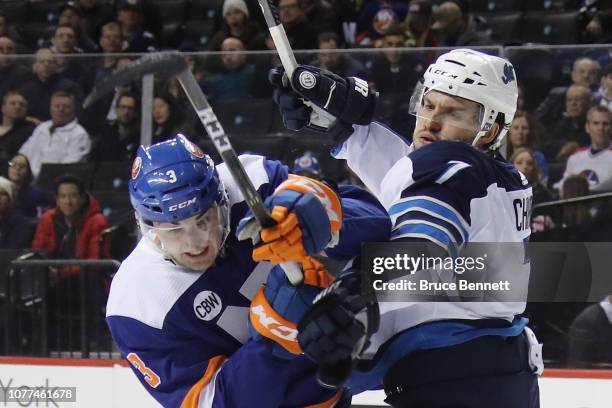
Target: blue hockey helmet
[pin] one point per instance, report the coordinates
(172, 181)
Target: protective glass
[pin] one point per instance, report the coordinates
(459, 112)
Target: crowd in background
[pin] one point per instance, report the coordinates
(559, 137)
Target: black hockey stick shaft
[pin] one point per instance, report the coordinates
(173, 64)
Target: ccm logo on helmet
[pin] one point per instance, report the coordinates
(182, 205)
(276, 328)
(441, 72)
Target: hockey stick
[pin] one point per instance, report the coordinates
(329, 376)
(320, 120)
(172, 64)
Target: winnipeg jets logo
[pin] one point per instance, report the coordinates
(508, 74)
(307, 80)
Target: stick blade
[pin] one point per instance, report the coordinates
(169, 63)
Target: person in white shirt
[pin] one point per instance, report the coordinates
(594, 162)
(59, 140)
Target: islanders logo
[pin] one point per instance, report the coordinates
(136, 166)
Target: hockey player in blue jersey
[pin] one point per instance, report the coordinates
(448, 187)
(178, 307)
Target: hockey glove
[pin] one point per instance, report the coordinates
(349, 100)
(308, 215)
(337, 328)
(278, 306)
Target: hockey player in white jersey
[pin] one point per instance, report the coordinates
(180, 304)
(448, 187)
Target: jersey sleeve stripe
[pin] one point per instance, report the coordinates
(455, 166)
(192, 398)
(416, 217)
(430, 232)
(417, 222)
(329, 403)
(431, 206)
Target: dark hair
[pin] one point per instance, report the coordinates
(576, 213)
(11, 93)
(127, 95)
(64, 94)
(70, 179)
(395, 29)
(30, 176)
(329, 36)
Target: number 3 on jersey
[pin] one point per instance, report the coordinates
(149, 375)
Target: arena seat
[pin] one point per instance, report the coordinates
(44, 11)
(198, 31)
(551, 28)
(495, 6)
(111, 175)
(205, 10)
(15, 11)
(49, 172)
(504, 27)
(246, 118)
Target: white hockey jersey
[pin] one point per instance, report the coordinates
(594, 165)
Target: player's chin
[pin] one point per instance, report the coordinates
(199, 261)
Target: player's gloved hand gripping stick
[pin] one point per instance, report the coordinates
(171, 63)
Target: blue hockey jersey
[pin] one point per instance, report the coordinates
(185, 333)
(450, 194)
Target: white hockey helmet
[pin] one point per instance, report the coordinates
(485, 79)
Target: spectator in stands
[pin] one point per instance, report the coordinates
(70, 14)
(603, 96)
(339, 63)
(59, 140)
(46, 82)
(73, 228)
(571, 127)
(575, 214)
(15, 128)
(594, 162)
(235, 81)
(590, 336)
(130, 15)
(307, 165)
(299, 30)
(119, 139)
(395, 71)
(526, 131)
(457, 28)
(16, 231)
(167, 119)
(237, 23)
(376, 17)
(31, 201)
(64, 44)
(324, 15)
(585, 72)
(418, 24)
(111, 43)
(94, 13)
(524, 160)
(12, 73)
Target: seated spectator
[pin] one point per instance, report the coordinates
(94, 13)
(575, 214)
(130, 16)
(524, 160)
(59, 140)
(376, 17)
(525, 131)
(585, 72)
(16, 231)
(235, 81)
(71, 230)
(119, 139)
(457, 28)
(590, 336)
(594, 163)
(15, 128)
(307, 165)
(338, 62)
(395, 71)
(236, 23)
(77, 69)
(31, 201)
(603, 96)
(45, 83)
(299, 30)
(167, 119)
(570, 127)
(12, 73)
(418, 24)
(70, 14)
